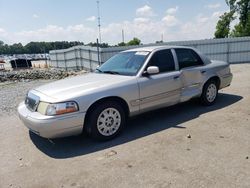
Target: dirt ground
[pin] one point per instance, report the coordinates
(153, 151)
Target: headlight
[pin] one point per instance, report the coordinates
(57, 109)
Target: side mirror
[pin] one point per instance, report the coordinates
(153, 70)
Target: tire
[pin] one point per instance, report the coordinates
(105, 121)
(209, 93)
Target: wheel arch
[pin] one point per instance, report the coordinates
(216, 79)
(117, 99)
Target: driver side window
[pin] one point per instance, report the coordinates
(163, 60)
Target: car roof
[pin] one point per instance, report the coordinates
(153, 48)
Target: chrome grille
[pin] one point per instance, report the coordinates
(32, 101)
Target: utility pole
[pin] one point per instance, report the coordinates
(98, 52)
(123, 36)
(99, 21)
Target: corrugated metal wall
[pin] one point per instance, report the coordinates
(232, 50)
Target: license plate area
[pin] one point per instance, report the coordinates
(32, 101)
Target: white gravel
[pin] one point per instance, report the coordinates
(12, 93)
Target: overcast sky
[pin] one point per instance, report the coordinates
(52, 20)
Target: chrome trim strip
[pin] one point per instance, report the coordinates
(192, 86)
(155, 97)
(135, 102)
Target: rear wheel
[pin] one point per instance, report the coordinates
(209, 93)
(105, 121)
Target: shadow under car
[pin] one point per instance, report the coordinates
(137, 127)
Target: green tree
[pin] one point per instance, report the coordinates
(122, 44)
(17, 48)
(158, 42)
(242, 9)
(223, 25)
(36, 47)
(102, 45)
(135, 41)
(33, 47)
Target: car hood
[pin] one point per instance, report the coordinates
(76, 86)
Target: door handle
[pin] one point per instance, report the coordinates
(176, 77)
(203, 72)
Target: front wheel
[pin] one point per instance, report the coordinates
(209, 93)
(105, 121)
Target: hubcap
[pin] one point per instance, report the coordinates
(109, 121)
(211, 92)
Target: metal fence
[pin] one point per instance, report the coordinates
(232, 50)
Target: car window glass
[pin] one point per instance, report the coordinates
(188, 58)
(124, 63)
(163, 60)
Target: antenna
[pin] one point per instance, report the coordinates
(99, 21)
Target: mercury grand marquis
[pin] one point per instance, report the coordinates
(130, 83)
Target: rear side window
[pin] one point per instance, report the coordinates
(164, 60)
(188, 58)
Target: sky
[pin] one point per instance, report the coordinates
(76, 20)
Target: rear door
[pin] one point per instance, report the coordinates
(192, 72)
(161, 89)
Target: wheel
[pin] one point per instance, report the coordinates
(209, 93)
(105, 121)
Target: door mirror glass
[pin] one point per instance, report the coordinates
(153, 70)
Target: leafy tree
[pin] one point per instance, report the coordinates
(242, 9)
(135, 41)
(159, 42)
(122, 44)
(102, 45)
(223, 25)
(36, 47)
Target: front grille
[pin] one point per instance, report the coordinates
(31, 101)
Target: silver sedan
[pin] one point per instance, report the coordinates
(130, 83)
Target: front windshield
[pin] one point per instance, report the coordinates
(125, 63)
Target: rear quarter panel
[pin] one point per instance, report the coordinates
(220, 69)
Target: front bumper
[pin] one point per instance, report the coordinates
(51, 127)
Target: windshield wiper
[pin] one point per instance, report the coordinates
(99, 70)
(107, 72)
(111, 72)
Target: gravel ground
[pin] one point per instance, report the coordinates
(182, 146)
(12, 93)
(18, 83)
(35, 74)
